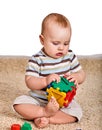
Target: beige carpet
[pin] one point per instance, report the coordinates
(89, 95)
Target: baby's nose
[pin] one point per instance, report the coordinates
(61, 47)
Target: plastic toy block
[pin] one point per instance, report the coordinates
(64, 91)
(26, 126)
(15, 127)
(69, 96)
(64, 85)
(60, 96)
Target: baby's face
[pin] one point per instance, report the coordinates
(56, 40)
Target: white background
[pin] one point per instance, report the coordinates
(20, 25)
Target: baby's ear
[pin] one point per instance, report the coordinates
(41, 37)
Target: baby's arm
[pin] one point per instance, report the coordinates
(37, 83)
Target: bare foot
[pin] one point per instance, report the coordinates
(52, 107)
(41, 122)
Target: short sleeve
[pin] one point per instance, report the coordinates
(32, 68)
(75, 65)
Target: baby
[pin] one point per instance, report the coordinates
(55, 59)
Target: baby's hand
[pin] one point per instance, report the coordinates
(52, 77)
(72, 78)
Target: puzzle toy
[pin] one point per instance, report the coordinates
(15, 127)
(25, 126)
(63, 91)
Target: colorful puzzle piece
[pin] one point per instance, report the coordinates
(63, 91)
(64, 85)
(15, 127)
(60, 96)
(25, 126)
(69, 96)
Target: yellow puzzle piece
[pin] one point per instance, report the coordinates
(60, 96)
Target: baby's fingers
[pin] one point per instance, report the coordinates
(56, 78)
(71, 79)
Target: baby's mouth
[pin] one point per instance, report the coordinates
(59, 54)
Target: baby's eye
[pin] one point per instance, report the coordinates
(55, 43)
(66, 44)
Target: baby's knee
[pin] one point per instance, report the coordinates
(16, 107)
(22, 112)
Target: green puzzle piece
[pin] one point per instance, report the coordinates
(26, 126)
(64, 85)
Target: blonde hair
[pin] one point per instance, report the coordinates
(57, 18)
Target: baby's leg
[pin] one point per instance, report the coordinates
(52, 107)
(31, 111)
(62, 118)
(59, 118)
(70, 114)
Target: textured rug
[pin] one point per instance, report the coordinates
(89, 94)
